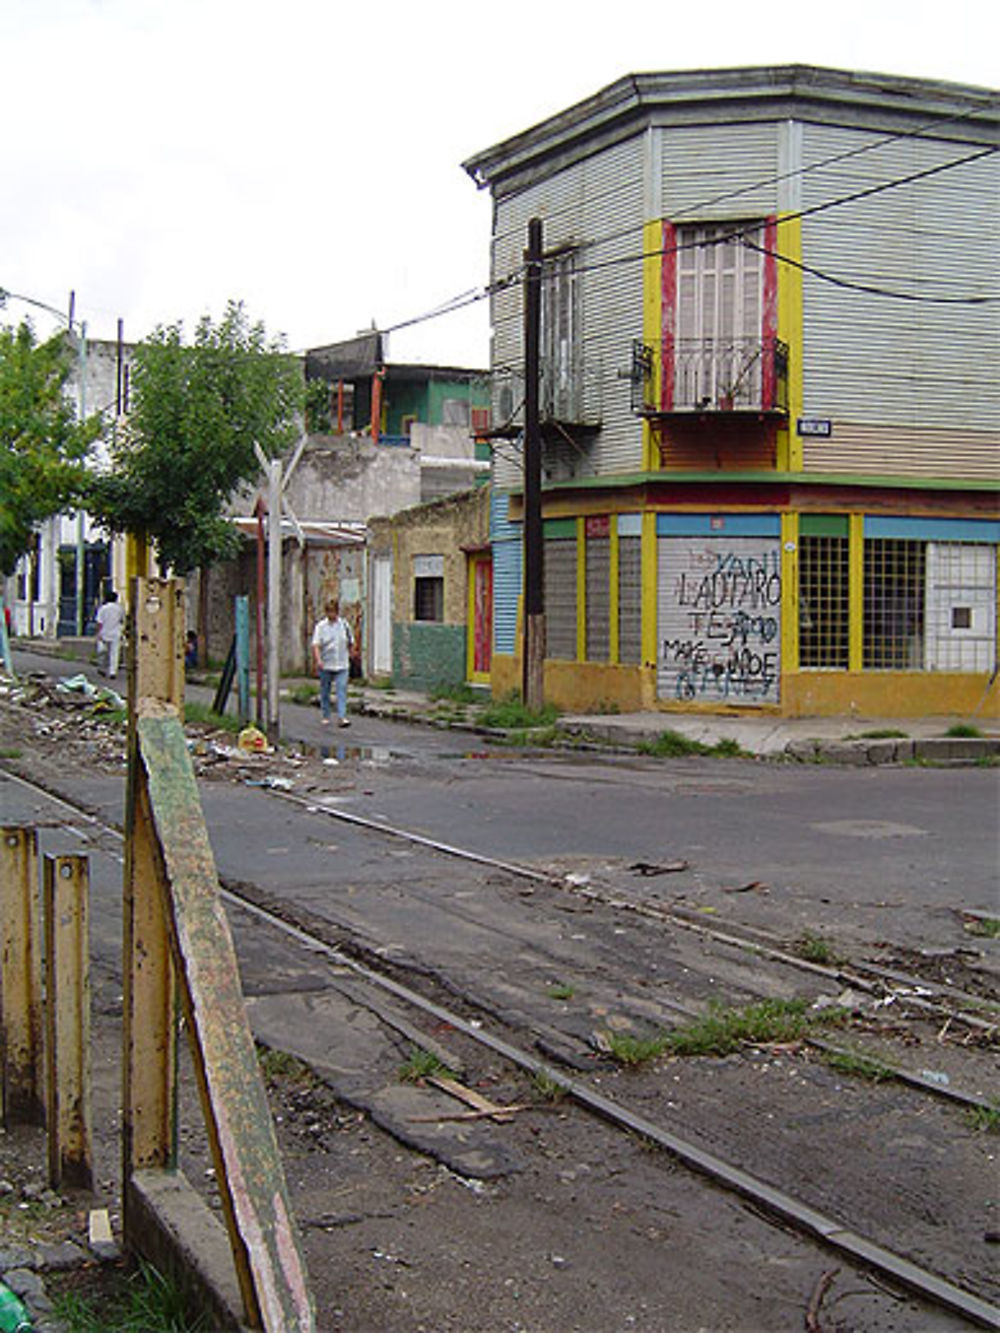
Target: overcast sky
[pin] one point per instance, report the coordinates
(162, 156)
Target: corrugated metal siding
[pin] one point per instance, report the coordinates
(560, 598)
(719, 619)
(596, 198)
(598, 599)
(507, 576)
(872, 360)
(702, 163)
(905, 450)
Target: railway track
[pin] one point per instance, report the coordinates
(510, 1042)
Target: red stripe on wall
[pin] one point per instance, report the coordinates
(668, 314)
(769, 330)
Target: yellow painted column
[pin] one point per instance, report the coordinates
(790, 326)
(649, 577)
(581, 589)
(789, 594)
(652, 327)
(613, 598)
(855, 592)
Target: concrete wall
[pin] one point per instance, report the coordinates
(347, 479)
(428, 653)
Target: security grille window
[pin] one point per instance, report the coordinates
(599, 595)
(428, 598)
(560, 597)
(823, 602)
(893, 634)
(960, 616)
(718, 349)
(629, 600)
(560, 392)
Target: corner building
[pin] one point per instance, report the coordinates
(770, 389)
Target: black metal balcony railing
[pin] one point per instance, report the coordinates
(695, 375)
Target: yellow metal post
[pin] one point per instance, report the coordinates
(156, 680)
(20, 978)
(856, 592)
(789, 594)
(67, 1021)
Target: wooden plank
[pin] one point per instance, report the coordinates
(266, 1248)
(67, 1021)
(20, 978)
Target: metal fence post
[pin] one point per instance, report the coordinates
(149, 1056)
(67, 1020)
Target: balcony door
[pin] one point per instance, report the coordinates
(718, 361)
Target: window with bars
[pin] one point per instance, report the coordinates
(560, 388)
(894, 582)
(629, 600)
(598, 598)
(560, 597)
(823, 602)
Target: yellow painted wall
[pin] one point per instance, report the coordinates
(888, 694)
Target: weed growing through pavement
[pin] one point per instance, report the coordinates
(546, 1089)
(10, 753)
(304, 693)
(879, 734)
(985, 1119)
(145, 1302)
(634, 1051)
(275, 1064)
(964, 730)
(672, 745)
(857, 1065)
(985, 927)
(561, 991)
(510, 713)
(455, 694)
(721, 1031)
(202, 713)
(815, 948)
(422, 1064)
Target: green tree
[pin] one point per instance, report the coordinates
(188, 443)
(43, 448)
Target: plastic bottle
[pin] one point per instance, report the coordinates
(14, 1317)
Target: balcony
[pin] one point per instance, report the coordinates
(712, 377)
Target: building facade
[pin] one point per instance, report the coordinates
(770, 390)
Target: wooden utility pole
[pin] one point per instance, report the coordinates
(534, 554)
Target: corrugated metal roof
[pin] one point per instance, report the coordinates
(316, 532)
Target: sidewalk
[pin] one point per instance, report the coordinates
(858, 741)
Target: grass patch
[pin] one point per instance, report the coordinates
(721, 1031)
(304, 694)
(454, 694)
(139, 1302)
(385, 683)
(560, 991)
(815, 948)
(546, 1089)
(422, 1065)
(10, 752)
(985, 927)
(880, 734)
(964, 730)
(203, 714)
(856, 1065)
(634, 1051)
(511, 714)
(275, 1064)
(672, 745)
(984, 1119)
